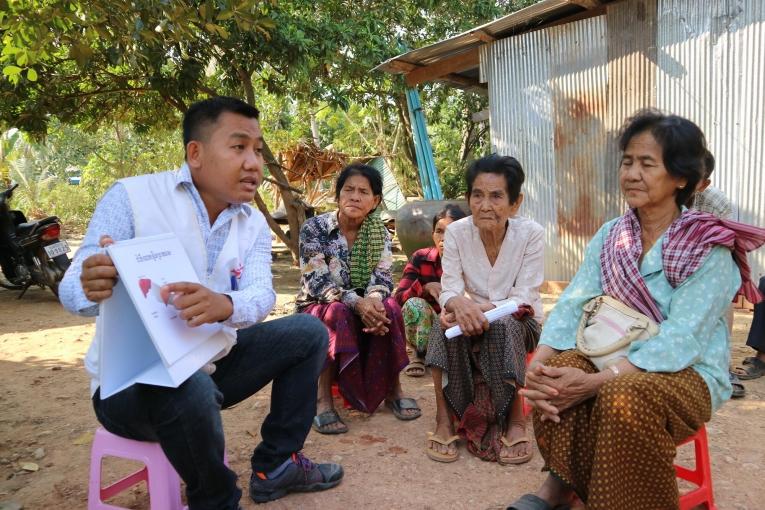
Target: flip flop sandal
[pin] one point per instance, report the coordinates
(752, 368)
(399, 405)
(438, 456)
(533, 502)
(738, 389)
(320, 422)
(521, 459)
(415, 369)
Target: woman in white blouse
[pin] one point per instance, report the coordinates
(489, 258)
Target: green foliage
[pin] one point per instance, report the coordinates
(133, 60)
(99, 158)
(106, 80)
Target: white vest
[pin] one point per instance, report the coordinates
(161, 206)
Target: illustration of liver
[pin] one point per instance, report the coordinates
(145, 284)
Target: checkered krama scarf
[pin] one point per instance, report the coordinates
(367, 250)
(689, 239)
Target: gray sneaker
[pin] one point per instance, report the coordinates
(301, 475)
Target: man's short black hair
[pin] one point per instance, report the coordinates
(506, 166)
(683, 146)
(202, 114)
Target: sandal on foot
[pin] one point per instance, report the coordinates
(415, 369)
(738, 389)
(533, 502)
(436, 455)
(399, 405)
(321, 422)
(520, 459)
(751, 368)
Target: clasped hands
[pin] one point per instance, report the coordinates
(196, 304)
(552, 390)
(372, 313)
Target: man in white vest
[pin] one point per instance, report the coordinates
(206, 204)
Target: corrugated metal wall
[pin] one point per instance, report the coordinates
(559, 95)
(711, 69)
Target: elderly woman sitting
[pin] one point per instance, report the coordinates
(489, 258)
(609, 435)
(346, 282)
(419, 288)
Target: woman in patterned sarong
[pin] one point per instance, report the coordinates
(490, 258)
(609, 436)
(346, 281)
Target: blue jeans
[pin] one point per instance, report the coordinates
(186, 420)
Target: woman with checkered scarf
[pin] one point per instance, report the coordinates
(609, 436)
(346, 259)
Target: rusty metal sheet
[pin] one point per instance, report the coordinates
(579, 88)
(547, 97)
(520, 111)
(558, 97)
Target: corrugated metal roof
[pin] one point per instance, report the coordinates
(524, 20)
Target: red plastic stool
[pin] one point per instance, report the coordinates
(526, 405)
(701, 476)
(336, 393)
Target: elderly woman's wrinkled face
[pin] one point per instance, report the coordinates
(438, 233)
(490, 202)
(643, 177)
(356, 198)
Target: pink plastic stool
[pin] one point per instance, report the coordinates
(162, 482)
(701, 476)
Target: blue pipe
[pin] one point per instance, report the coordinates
(426, 166)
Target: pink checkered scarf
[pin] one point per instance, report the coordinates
(689, 239)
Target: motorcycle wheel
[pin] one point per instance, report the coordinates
(51, 273)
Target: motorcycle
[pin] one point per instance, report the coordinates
(30, 252)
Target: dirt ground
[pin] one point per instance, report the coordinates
(47, 423)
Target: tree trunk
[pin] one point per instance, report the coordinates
(315, 131)
(403, 117)
(292, 205)
(467, 135)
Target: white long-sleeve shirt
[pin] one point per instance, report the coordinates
(517, 273)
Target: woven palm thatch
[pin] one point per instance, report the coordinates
(312, 170)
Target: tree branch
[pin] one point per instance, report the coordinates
(283, 185)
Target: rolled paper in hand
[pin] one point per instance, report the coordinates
(495, 313)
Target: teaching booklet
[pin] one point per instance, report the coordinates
(142, 338)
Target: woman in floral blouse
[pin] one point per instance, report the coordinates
(419, 288)
(346, 281)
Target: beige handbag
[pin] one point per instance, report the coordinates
(607, 329)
